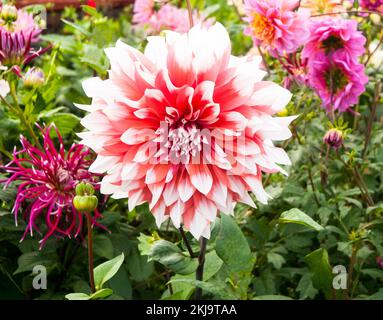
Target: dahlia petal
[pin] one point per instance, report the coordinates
(200, 177)
(185, 188)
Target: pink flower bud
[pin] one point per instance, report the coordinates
(34, 78)
(334, 138)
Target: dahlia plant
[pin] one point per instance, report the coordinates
(233, 148)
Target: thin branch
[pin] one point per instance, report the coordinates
(190, 11)
(372, 117)
(185, 239)
(201, 263)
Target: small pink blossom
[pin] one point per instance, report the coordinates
(372, 5)
(167, 17)
(24, 23)
(186, 127)
(333, 36)
(337, 82)
(275, 25)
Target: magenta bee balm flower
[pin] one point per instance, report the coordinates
(276, 26)
(333, 37)
(337, 82)
(372, 5)
(47, 181)
(186, 127)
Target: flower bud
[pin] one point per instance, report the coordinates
(8, 13)
(379, 261)
(334, 138)
(34, 78)
(84, 189)
(85, 203)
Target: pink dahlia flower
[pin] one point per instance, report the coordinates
(47, 186)
(143, 10)
(337, 82)
(372, 5)
(275, 25)
(167, 17)
(185, 126)
(24, 23)
(334, 36)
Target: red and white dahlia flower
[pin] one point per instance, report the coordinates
(185, 126)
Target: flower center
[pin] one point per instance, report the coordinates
(332, 43)
(262, 28)
(336, 79)
(184, 142)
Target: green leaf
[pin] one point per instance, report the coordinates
(297, 216)
(145, 244)
(77, 296)
(321, 271)
(272, 297)
(103, 293)
(76, 27)
(232, 246)
(107, 270)
(29, 260)
(275, 259)
(89, 10)
(171, 256)
(183, 290)
(305, 287)
(65, 122)
(103, 246)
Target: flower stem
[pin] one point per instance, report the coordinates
(201, 263)
(185, 239)
(371, 118)
(190, 11)
(90, 251)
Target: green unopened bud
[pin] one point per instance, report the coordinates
(85, 203)
(8, 13)
(84, 189)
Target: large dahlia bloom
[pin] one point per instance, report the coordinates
(275, 25)
(334, 36)
(337, 82)
(47, 180)
(165, 17)
(185, 126)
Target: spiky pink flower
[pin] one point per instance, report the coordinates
(166, 17)
(47, 180)
(16, 48)
(337, 82)
(372, 5)
(185, 126)
(334, 36)
(275, 25)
